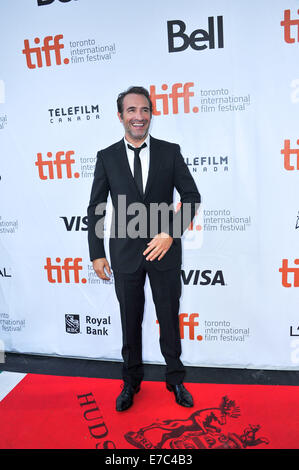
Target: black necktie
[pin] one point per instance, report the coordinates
(137, 166)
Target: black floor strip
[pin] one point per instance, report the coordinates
(50, 365)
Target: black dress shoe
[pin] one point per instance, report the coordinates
(182, 396)
(125, 399)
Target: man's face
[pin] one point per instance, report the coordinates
(136, 117)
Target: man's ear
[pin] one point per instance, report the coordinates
(120, 117)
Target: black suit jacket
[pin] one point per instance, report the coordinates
(167, 170)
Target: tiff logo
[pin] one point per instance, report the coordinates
(61, 273)
(287, 23)
(49, 169)
(188, 321)
(287, 151)
(286, 271)
(50, 44)
(179, 93)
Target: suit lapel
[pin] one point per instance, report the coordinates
(154, 163)
(124, 166)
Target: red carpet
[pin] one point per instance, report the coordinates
(49, 412)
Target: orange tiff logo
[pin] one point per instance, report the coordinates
(35, 55)
(49, 169)
(180, 98)
(287, 23)
(287, 151)
(286, 271)
(60, 273)
(188, 321)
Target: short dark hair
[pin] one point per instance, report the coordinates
(136, 90)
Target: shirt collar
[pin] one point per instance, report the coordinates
(145, 141)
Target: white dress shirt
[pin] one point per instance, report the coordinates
(144, 158)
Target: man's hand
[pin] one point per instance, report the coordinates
(158, 246)
(99, 265)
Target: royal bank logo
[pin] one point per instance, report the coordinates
(95, 326)
(72, 323)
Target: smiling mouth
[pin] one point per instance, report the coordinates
(138, 125)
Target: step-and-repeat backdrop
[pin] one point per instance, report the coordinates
(224, 80)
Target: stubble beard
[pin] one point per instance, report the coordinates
(135, 135)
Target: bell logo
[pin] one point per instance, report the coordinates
(49, 169)
(59, 274)
(286, 24)
(180, 93)
(286, 271)
(287, 151)
(197, 38)
(36, 52)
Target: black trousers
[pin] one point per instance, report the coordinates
(166, 291)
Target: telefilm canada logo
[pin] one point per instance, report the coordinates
(208, 163)
(71, 114)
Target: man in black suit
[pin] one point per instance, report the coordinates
(143, 181)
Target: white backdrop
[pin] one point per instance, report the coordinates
(230, 99)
